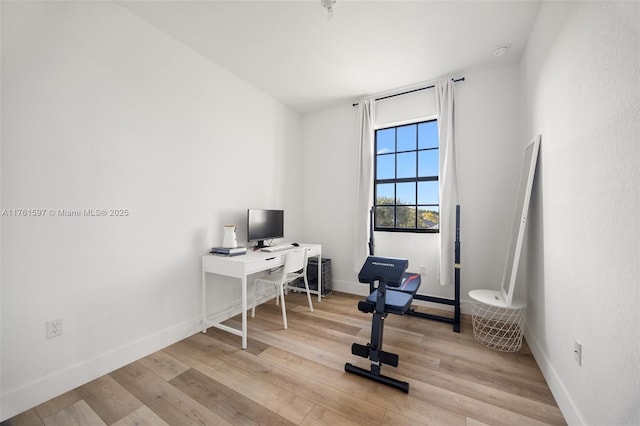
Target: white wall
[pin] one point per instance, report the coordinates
(580, 91)
(487, 132)
(102, 111)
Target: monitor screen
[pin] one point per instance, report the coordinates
(264, 225)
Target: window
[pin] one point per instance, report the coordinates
(406, 178)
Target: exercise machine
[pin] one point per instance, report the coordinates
(411, 282)
(383, 300)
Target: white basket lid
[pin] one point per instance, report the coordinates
(495, 298)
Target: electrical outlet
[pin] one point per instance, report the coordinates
(54, 328)
(423, 270)
(577, 352)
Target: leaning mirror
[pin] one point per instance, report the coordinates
(519, 220)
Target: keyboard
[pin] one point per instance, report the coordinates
(271, 249)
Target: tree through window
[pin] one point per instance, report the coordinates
(406, 178)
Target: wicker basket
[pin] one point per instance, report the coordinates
(498, 328)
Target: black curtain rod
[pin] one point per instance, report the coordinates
(411, 91)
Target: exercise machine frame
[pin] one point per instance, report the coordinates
(380, 309)
(455, 302)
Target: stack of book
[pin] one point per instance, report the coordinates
(229, 251)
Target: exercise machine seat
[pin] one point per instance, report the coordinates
(396, 302)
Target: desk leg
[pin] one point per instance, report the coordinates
(204, 302)
(244, 312)
(320, 277)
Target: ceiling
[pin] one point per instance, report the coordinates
(290, 50)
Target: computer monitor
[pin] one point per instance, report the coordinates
(264, 225)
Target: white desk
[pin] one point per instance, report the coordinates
(240, 267)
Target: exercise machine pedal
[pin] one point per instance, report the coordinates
(366, 307)
(388, 358)
(360, 350)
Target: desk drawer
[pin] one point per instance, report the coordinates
(263, 264)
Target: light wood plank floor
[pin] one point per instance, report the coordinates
(296, 376)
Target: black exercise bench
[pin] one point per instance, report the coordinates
(393, 295)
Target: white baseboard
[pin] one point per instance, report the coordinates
(235, 308)
(568, 408)
(32, 394)
(350, 287)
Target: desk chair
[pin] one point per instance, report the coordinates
(388, 273)
(295, 266)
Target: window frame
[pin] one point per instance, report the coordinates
(396, 180)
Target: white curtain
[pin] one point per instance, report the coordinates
(448, 179)
(364, 182)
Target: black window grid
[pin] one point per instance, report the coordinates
(395, 180)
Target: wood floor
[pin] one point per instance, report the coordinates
(296, 376)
